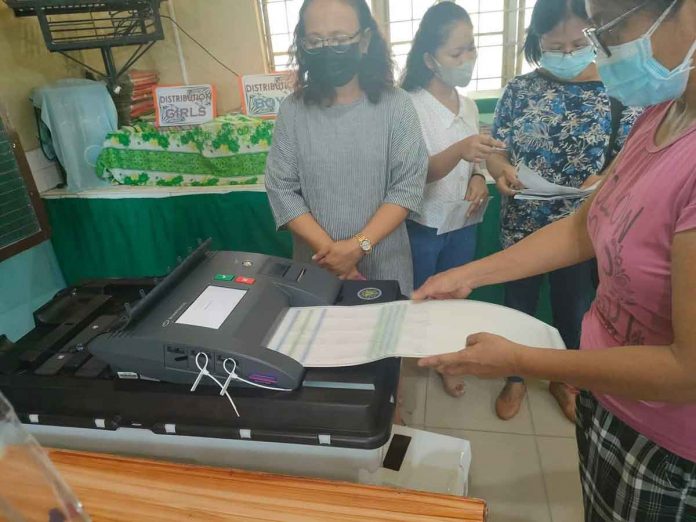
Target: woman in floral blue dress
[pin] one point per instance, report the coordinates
(557, 121)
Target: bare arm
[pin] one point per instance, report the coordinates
(628, 371)
(307, 228)
(387, 219)
(564, 243)
(631, 371)
(561, 244)
(504, 173)
(440, 165)
(474, 149)
(647, 373)
(497, 163)
(342, 257)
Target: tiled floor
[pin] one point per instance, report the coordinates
(525, 468)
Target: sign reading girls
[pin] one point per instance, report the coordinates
(262, 94)
(177, 106)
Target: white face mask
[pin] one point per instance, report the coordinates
(456, 76)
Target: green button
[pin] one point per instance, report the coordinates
(224, 277)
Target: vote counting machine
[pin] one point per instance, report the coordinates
(111, 364)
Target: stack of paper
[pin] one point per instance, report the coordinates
(537, 188)
(347, 336)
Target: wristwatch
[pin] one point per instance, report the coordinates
(365, 244)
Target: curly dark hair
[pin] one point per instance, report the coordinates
(433, 32)
(376, 68)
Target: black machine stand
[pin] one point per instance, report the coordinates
(99, 357)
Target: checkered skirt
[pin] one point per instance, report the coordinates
(625, 476)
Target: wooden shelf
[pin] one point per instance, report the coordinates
(125, 489)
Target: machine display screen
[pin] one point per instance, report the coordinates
(212, 307)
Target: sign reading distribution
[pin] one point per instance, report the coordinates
(184, 105)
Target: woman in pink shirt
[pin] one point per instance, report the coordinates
(636, 421)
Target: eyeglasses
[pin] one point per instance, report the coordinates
(574, 52)
(339, 43)
(594, 34)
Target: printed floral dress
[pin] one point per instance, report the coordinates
(559, 129)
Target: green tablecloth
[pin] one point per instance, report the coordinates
(96, 238)
(143, 237)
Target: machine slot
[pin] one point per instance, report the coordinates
(396, 452)
(193, 365)
(277, 269)
(176, 357)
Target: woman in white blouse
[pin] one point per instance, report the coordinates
(442, 58)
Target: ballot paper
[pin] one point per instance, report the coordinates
(457, 216)
(534, 197)
(537, 188)
(331, 336)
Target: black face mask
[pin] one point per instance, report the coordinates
(328, 67)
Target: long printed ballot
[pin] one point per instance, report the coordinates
(331, 336)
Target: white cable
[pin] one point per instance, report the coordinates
(232, 375)
(204, 372)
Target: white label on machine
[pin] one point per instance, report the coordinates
(212, 307)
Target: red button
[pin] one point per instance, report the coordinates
(245, 280)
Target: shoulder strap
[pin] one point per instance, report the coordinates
(617, 109)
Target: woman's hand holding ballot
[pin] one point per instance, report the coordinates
(451, 284)
(477, 148)
(476, 193)
(486, 355)
(509, 184)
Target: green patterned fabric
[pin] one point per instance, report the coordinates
(231, 150)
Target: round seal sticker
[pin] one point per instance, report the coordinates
(369, 294)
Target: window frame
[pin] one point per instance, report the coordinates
(44, 232)
(513, 35)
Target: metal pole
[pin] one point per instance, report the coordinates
(179, 48)
(109, 67)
